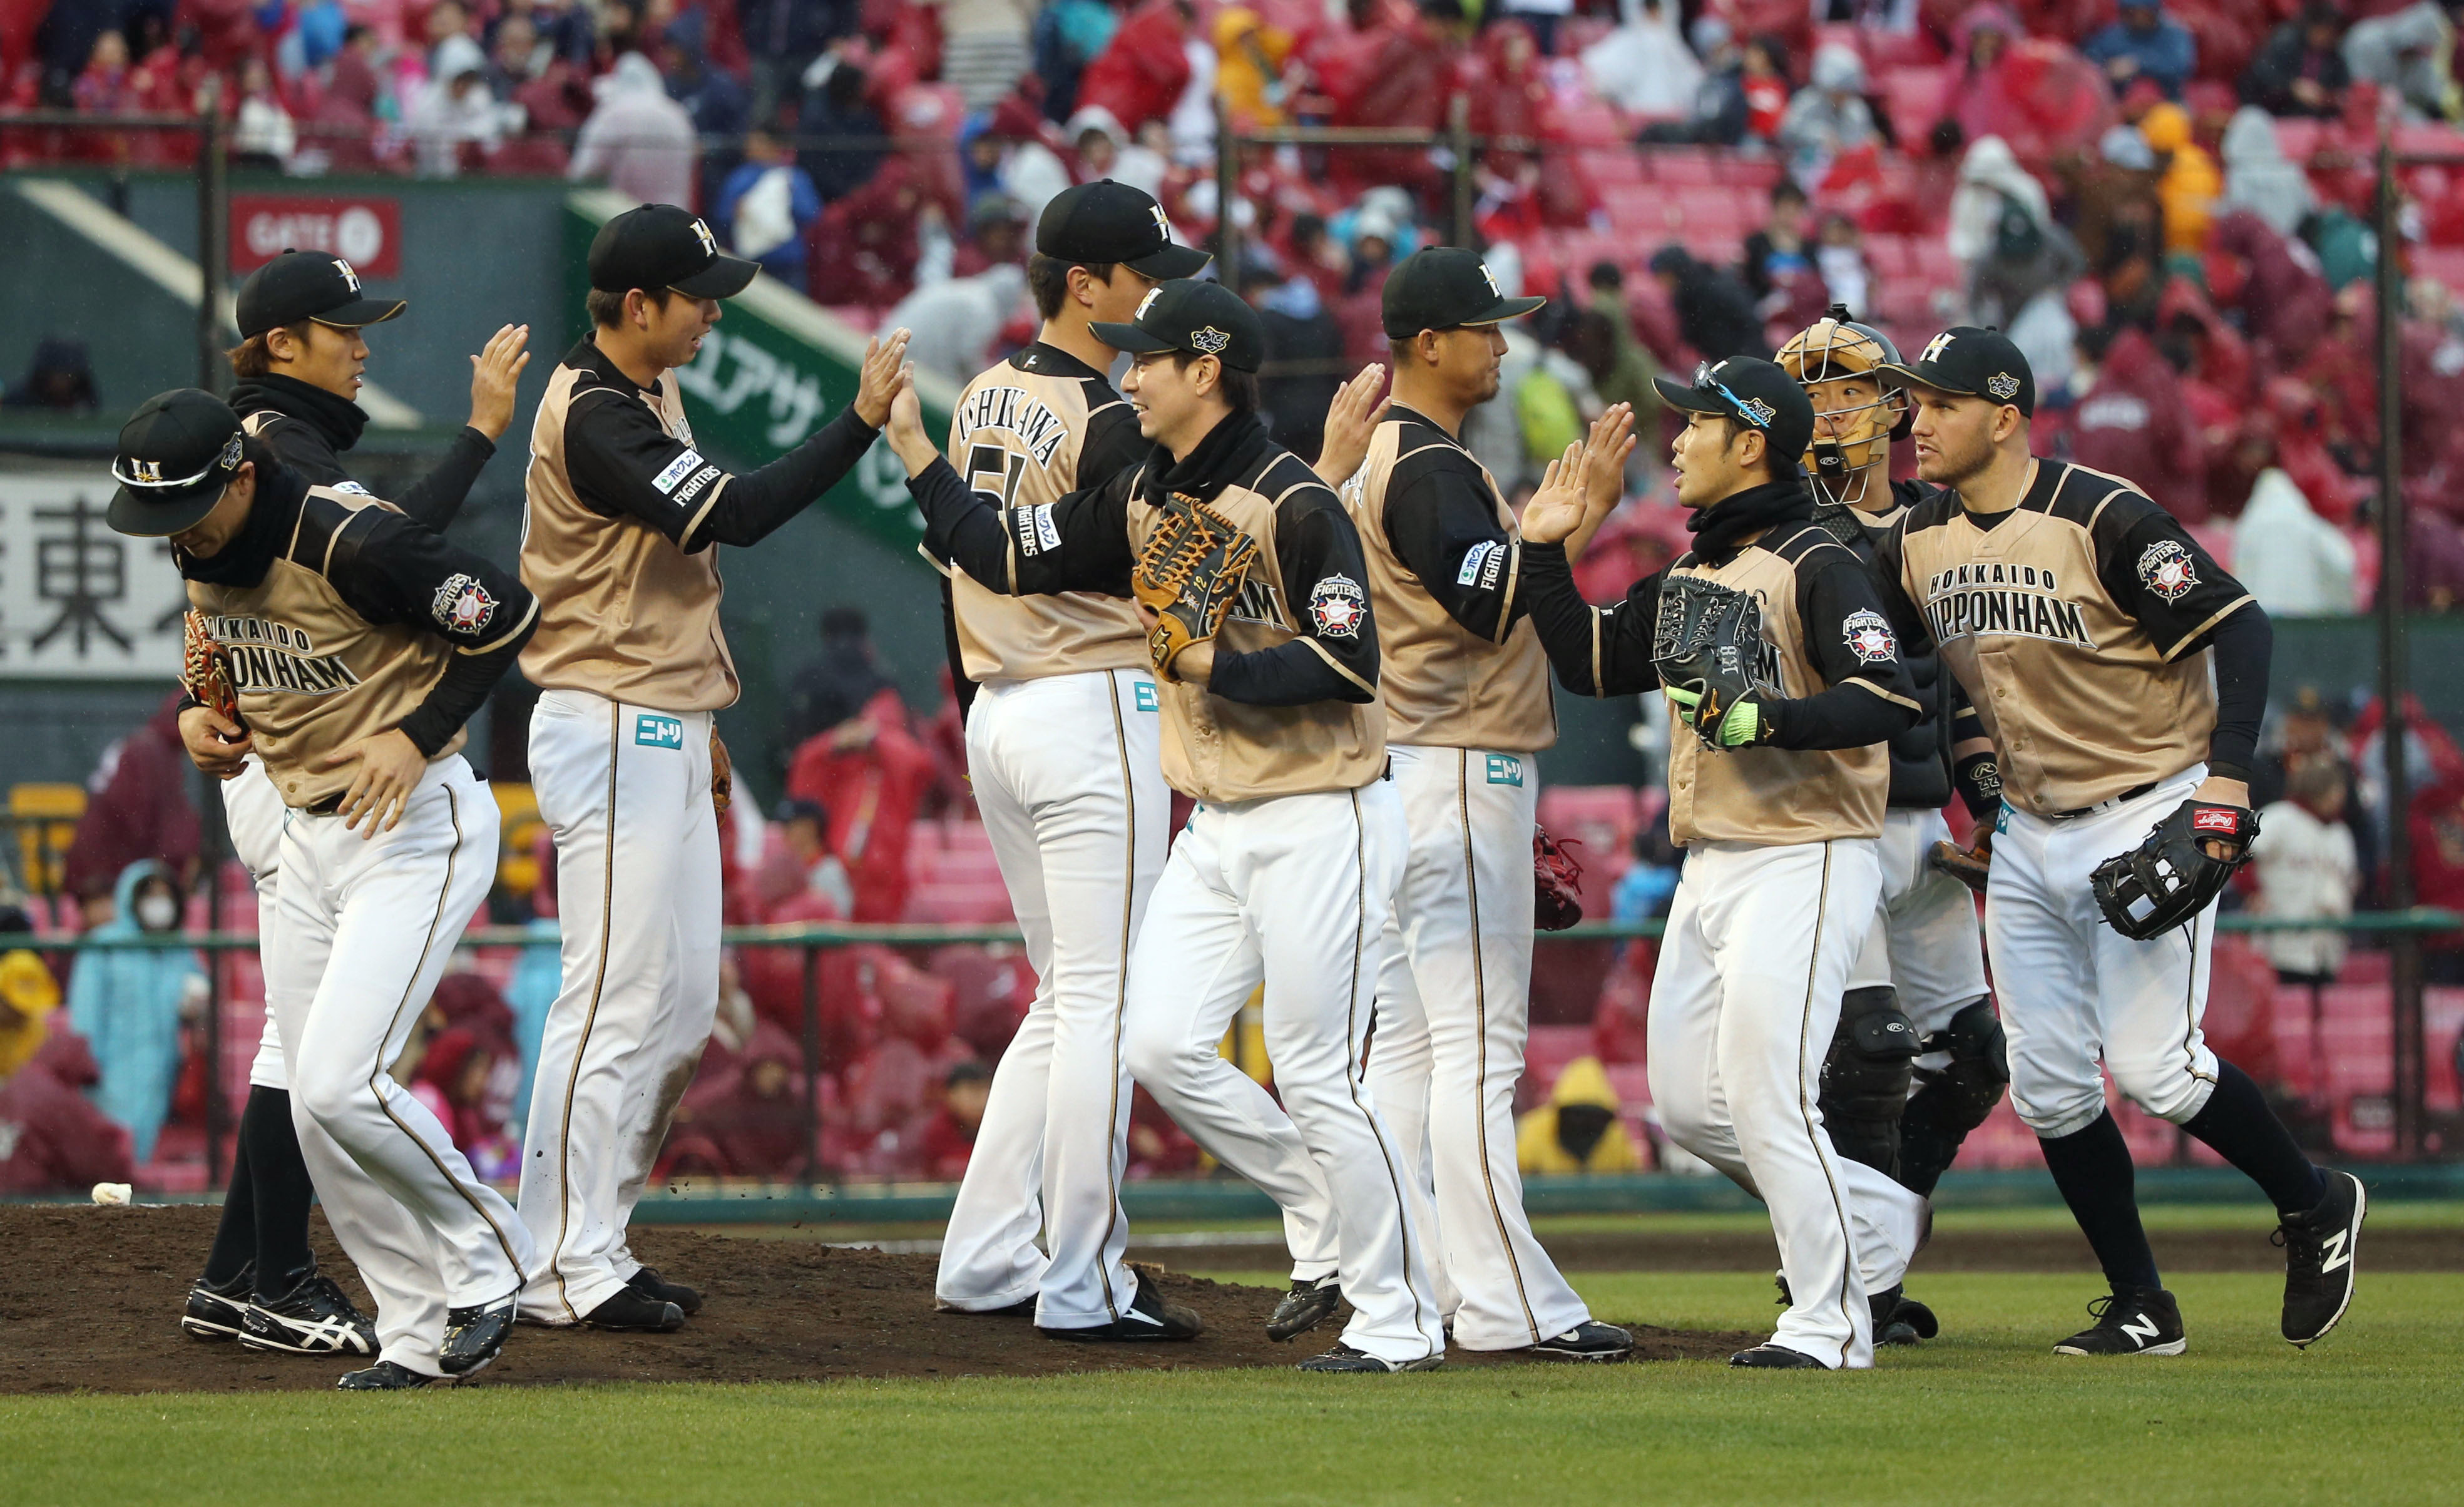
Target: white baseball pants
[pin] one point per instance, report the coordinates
(1454, 1010)
(625, 792)
(1923, 945)
(2073, 990)
(254, 816)
(1743, 1007)
(1293, 891)
(1067, 773)
(363, 928)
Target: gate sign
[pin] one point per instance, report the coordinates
(365, 231)
(76, 600)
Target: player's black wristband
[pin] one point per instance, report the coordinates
(1980, 784)
(2221, 768)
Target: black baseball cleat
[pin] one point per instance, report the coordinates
(474, 1335)
(637, 1312)
(385, 1376)
(1914, 1317)
(651, 1285)
(1344, 1358)
(2318, 1251)
(1309, 1304)
(1776, 1358)
(2139, 1321)
(1587, 1341)
(315, 1318)
(215, 1314)
(1149, 1316)
(1024, 1308)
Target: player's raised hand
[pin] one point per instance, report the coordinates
(216, 744)
(1608, 447)
(495, 374)
(1557, 510)
(390, 767)
(1350, 422)
(908, 439)
(885, 366)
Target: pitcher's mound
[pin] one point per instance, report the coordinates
(105, 1318)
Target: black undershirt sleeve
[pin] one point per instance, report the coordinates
(437, 496)
(1850, 641)
(1596, 651)
(1335, 657)
(1441, 519)
(625, 464)
(2244, 644)
(1080, 542)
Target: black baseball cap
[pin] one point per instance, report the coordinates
(177, 452)
(1445, 288)
(1755, 393)
(1973, 364)
(660, 246)
(1201, 317)
(308, 285)
(1109, 222)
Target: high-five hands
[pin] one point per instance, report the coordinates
(884, 372)
(1350, 422)
(495, 373)
(1556, 510)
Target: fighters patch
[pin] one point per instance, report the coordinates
(653, 731)
(1868, 635)
(1146, 697)
(1337, 607)
(682, 467)
(1469, 574)
(693, 489)
(352, 488)
(462, 605)
(2165, 568)
(1036, 533)
(1505, 769)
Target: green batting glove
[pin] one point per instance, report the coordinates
(1743, 725)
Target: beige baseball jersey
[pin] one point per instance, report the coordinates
(1461, 666)
(1036, 427)
(2072, 621)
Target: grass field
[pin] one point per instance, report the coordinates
(1984, 1415)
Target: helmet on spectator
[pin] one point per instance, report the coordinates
(1835, 348)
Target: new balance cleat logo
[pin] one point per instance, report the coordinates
(2141, 1329)
(2337, 1253)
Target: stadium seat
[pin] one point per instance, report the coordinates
(1604, 817)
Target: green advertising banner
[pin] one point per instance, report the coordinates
(775, 368)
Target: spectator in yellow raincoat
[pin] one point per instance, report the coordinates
(29, 993)
(1577, 1130)
(2191, 182)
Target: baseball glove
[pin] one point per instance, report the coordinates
(205, 669)
(1557, 882)
(1707, 648)
(722, 776)
(1967, 866)
(2170, 877)
(1191, 569)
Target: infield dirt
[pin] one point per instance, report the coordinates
(105, 1317)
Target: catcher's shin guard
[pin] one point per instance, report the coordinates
(1952, 1103)
(1865, 1078)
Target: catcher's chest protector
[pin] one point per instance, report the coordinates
(1771, 796)
(1225, 751)
(313, 675)
(1443, 687)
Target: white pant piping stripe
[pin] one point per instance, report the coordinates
(1805, 1109)
(452, 855)
(1479, 1023)
(1352, 1077)
(598, 986)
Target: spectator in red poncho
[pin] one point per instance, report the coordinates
(758, 1125)
(453, 1081)
(1157, 1147)
(949, 1137)
(2283, 301)
(1140, 76)
(2131, 422)
(1765, 81)
(137, 808)
(1394, 74)
(53, 1140)
(870, 773)
(2038, 94)
(863, 249)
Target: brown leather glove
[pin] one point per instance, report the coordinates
(1967, 866)
(1557, 882)
(722, 776)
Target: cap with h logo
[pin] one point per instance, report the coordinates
(308, 285)
(1445, 288)
(1109, 222)
(1970, 363)
(1754, 393)
(660, 246)
(1203, 319)
(176, 454)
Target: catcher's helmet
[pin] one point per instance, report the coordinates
(1835, 348)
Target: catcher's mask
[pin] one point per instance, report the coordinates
(1835, 348)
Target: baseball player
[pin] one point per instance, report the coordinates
(1287, 871)
(1768, 639)
(2121, 677)
(617, 543)
(1079, 837)
(356, 644)
(1465, 689)
(1919, 984)
(299, 362)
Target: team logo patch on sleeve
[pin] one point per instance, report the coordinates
(1469, 574)
(1035, 530)
(1868, 635)
(678, 469)
(1337, 607)
(2165, 568)
(462, 605)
